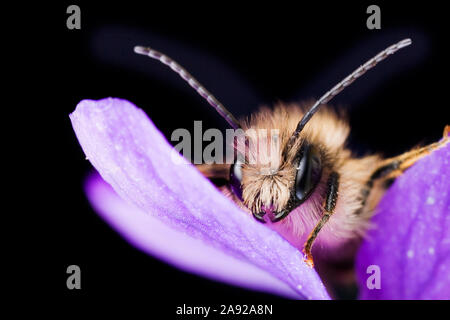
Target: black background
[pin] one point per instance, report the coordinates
(282, 51)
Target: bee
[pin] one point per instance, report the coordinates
(312, 188)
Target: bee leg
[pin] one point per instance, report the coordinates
(218, 174)
(394, 167)
(329, 206)
(391, 168)
(214, 171)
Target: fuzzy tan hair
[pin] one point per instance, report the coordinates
(268, 178)
(268, 181)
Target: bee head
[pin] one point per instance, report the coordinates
(271, 179)
(279, 180)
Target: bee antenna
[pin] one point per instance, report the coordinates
(146, 51)
(347, 81)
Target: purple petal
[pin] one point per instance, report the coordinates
(157, 239)
(411, 244)
(136, 160)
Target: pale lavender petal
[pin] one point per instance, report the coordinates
(411, 244)
(157, 239)
(136, 160)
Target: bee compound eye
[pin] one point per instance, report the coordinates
(236, 178)
(309, 171)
